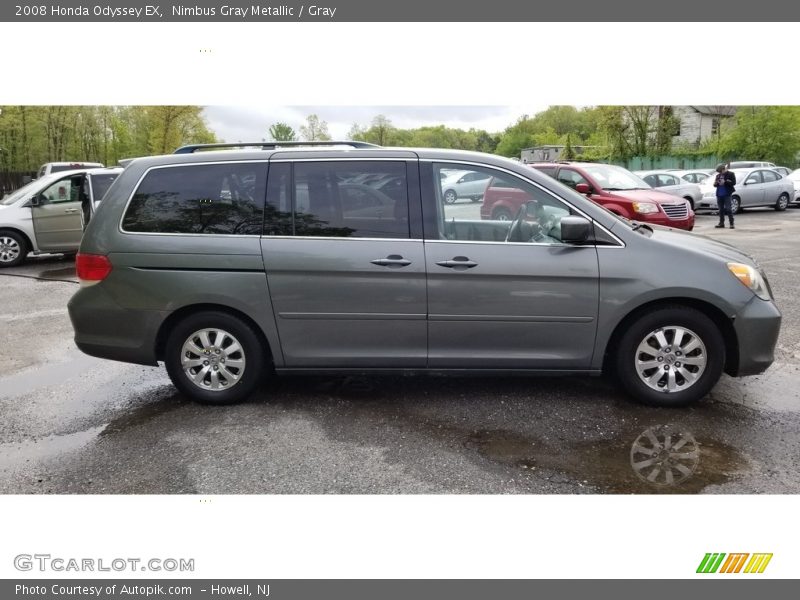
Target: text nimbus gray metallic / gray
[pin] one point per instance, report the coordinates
(49, 563)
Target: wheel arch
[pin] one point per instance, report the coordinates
(719, 318)
(24, 235)
(178, 315)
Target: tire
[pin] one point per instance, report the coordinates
(782, 203)
(450, 197)
(639, 347)
(690, 200)
(242, 379)
(736, 205)
(13, 249)
(476, 199)
(501, 214)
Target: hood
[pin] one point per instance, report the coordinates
(701, 243)
(647, 196)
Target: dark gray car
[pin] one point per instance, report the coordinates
(231, 265)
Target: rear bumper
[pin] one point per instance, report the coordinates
(105, 329)
(757, 327)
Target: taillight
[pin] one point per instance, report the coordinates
(92, 268)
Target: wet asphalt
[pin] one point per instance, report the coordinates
(70, 423)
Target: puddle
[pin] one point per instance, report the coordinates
(606, 463)
(14, 455)
(143, 414)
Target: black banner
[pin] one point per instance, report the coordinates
(372, 589)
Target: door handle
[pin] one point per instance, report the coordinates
(393, 261)
(459, 263)
(70, 210)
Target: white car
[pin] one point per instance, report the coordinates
(464, 184)
(697, 176)
(794, 177)
(50, 213)
(754, 187)
(671, 183)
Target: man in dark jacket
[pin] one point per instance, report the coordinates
(724, 181)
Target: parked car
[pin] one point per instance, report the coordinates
(620, 191)
(58, 167)
(794, 177)
(785, 171)
(227, 283)
(694, 175)
(463, 184)
(672, 183)
(49, 214)
(749, 164)
(754, 187)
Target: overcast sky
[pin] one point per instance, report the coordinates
(251, 123)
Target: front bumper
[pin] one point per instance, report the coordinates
(686, 224)
(757, 327)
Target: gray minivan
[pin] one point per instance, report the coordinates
(231, 265)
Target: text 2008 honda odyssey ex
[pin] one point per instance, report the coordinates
(229, 265)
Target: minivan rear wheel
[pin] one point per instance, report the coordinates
(214, 357)
(671, 356)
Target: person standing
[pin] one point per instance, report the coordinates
(724, 181)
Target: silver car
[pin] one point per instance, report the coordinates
(697, 176)
(755, 187)
(463, 184)
(671, 183)
(230, 266)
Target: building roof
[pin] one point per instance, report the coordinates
(717, 111)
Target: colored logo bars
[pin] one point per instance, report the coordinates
(734, 563)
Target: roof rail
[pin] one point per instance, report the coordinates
(191, 148)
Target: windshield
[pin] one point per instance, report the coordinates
(612, 178)
(16, 195)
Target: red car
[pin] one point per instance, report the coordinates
(615, 188)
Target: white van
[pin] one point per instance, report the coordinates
(50, 214)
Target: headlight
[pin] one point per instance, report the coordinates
(752, 278)
(644, 208)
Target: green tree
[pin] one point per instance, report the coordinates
(315, 129)
(569, 153)
(769, 133)
(281, 132)
(380, 130)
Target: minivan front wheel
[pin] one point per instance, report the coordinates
(13, 249)
(214, 357)
(670, 357)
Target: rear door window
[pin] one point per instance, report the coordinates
(210, 199)
(340, 199)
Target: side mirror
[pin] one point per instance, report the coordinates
(575, 229)
(583, 188)
(35, 201)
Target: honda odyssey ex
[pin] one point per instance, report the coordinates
(232, 265)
